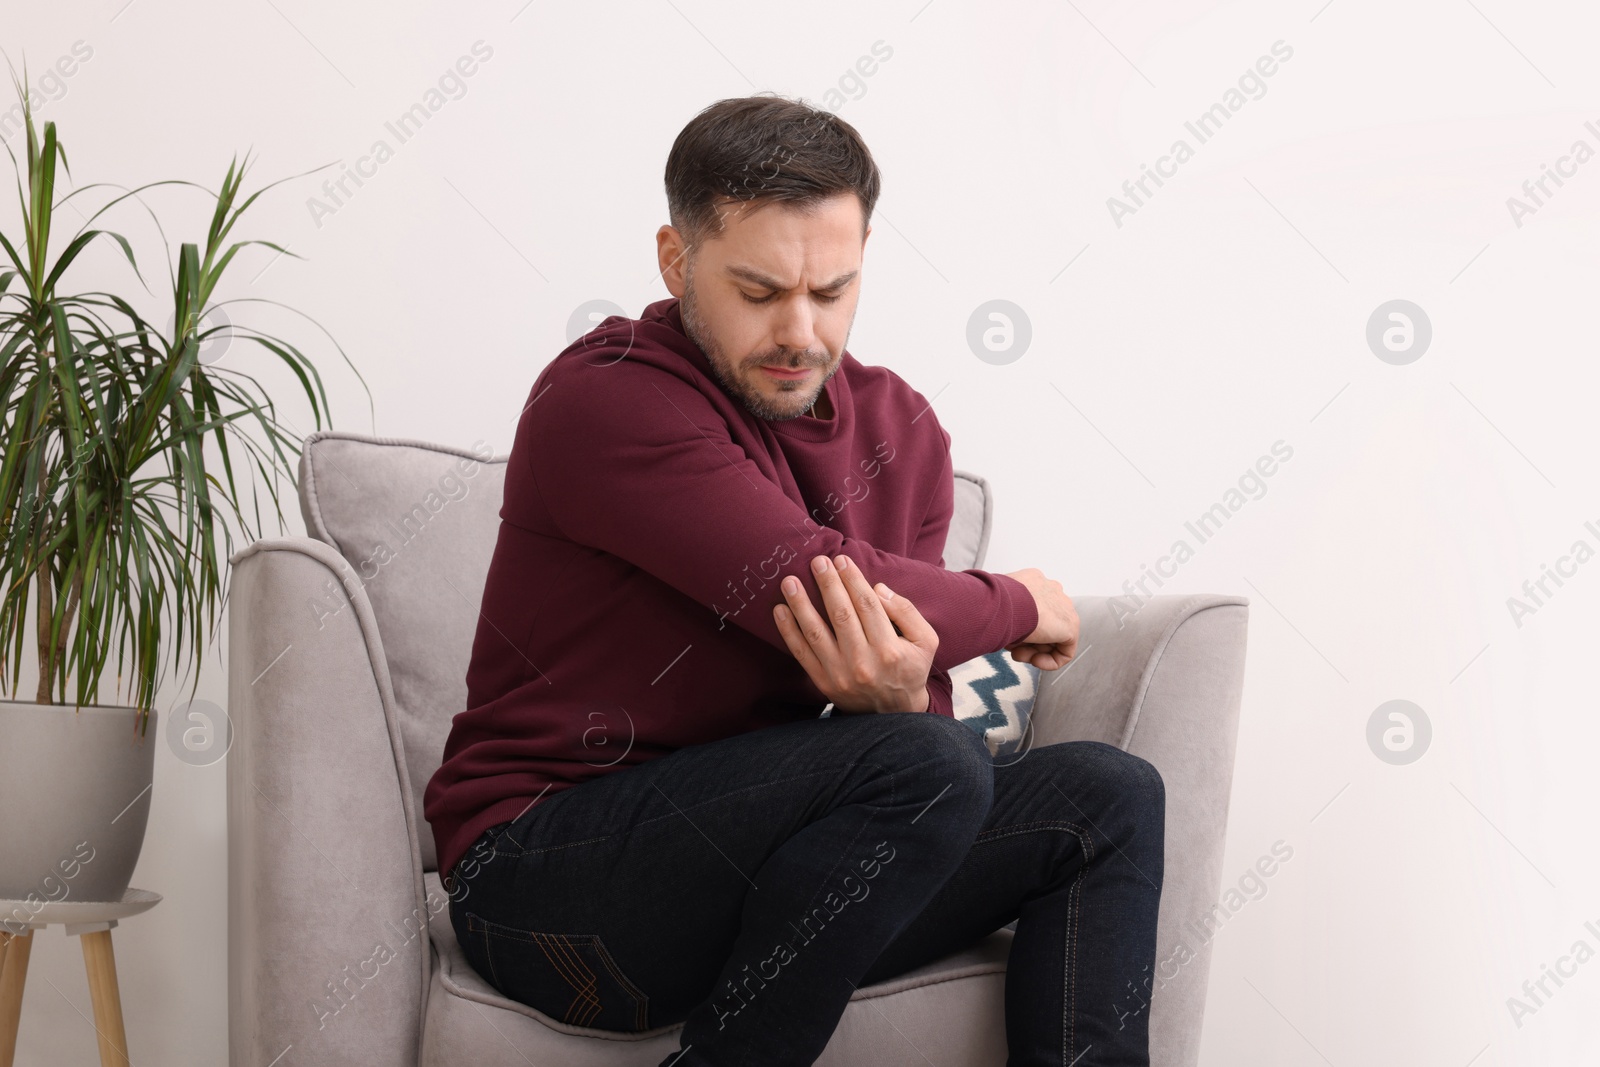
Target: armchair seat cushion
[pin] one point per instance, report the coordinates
(949, 1011)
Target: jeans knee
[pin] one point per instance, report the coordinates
(1142, 795)
(1146, 783)
(946, 753)
(1128, 789)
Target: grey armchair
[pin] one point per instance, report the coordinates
(347, 659)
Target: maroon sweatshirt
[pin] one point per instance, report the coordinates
(647, 521)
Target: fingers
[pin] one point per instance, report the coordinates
(839, 608)
(871, 621)
(855, 617)
(1030, 654)
(1048, 657)
(804, 631)
(904, 614)
(834, 635)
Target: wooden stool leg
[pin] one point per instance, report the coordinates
(14, 950)
(102, 968)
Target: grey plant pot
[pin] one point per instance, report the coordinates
(74, 799)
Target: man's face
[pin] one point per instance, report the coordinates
(776, 288)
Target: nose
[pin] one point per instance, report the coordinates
(794, 328)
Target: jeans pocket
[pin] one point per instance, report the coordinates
(501, 841)
(570, 977)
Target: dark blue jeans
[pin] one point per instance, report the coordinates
(748, 886)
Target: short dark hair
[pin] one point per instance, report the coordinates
(764, 148)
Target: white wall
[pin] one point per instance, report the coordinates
(1226, 314)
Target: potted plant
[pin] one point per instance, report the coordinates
(110, 511)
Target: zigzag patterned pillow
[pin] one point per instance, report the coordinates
(994, 695)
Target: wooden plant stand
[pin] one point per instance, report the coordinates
(91, 922)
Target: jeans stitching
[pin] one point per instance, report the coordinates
(640, 1000)
(569, 964)
(1069, 965)
(588, 991)
(581, 980)
(1076, 896)
(568, 844)
(1070, 1006)
(489, 955)
(998, 832)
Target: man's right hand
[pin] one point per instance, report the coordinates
(1054, 642)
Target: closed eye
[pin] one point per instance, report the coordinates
(768, 298)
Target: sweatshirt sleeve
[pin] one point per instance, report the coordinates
(645, 469)
(941, 700)
(929, 545)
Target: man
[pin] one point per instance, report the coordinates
(716, 522)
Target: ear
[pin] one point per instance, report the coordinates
(670, 259)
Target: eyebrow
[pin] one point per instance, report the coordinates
(755, 277)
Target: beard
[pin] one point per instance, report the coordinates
(735, 381)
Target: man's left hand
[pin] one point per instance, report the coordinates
(860, 662)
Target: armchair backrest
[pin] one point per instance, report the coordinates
(417, 522)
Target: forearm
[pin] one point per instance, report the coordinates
(973, 611)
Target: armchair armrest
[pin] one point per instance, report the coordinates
(327, 942)
(1164, 682)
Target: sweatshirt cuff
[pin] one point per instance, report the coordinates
(940, 701)
(1024, 617)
